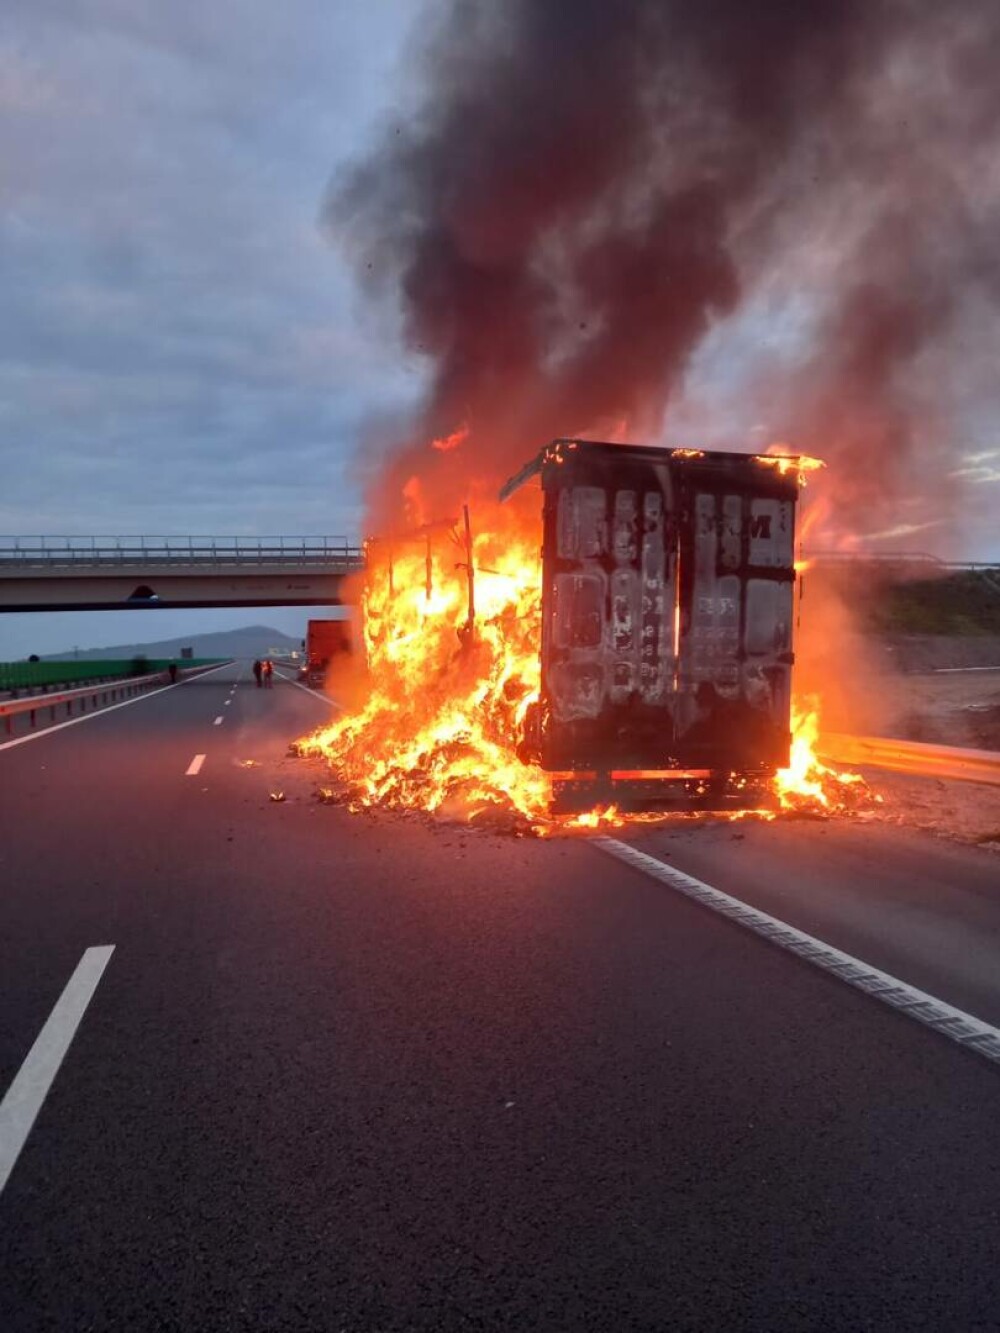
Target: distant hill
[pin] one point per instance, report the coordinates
(249, 642)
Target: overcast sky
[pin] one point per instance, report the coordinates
(182, 349)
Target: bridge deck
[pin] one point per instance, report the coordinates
(109, 573)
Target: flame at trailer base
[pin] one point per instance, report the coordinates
(809, 785)
(451, 674)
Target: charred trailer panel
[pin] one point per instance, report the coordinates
(667, 611)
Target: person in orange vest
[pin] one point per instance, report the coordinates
(268, 673)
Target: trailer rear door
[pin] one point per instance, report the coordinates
(667, 611)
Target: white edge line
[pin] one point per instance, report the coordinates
(26, 1094)
(194, 768)
(97, 712)
(968, 1031)
(954, 671)
(323, 698)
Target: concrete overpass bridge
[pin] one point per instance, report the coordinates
(118, 573)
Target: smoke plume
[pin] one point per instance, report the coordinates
(584, 190)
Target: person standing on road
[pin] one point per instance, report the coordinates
(257, 670)
(268, 673)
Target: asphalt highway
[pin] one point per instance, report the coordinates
(358, 1073)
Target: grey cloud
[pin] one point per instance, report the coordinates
(180, 345)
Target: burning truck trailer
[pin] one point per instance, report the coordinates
(637, 658)
(668, 579)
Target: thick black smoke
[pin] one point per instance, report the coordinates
(893, 384)
(587, 187)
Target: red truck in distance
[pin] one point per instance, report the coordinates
(325, 641)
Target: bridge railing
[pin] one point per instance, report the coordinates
(913, 559)
(37, 552)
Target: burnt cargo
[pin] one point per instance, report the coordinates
(667, 604)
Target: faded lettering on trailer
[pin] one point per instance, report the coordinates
(667, 605)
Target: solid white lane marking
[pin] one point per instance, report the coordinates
(961, 1027)
(32, 1082)
(194, 768)
(217, 721)
(323, 698)
(97, 712)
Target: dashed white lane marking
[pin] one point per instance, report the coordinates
(228, 702)
(32, 1082)
(961, 1027)
(218, 721)
(194, 768)
(97, 712)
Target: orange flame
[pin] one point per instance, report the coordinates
(445, 707)
(800, 464)
(452, 441)
(807, 784)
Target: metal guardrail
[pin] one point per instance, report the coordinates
(20, 553)
(108, 690)
(949, 762)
